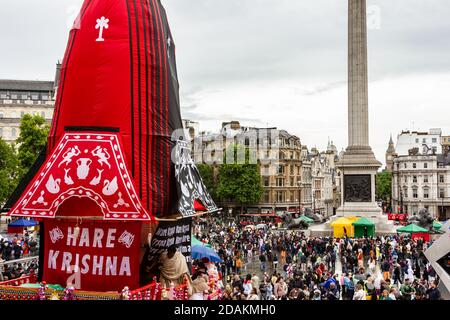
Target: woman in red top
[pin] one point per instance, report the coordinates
(25, 249)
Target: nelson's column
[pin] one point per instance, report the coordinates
(358, 165)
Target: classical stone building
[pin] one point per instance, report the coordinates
(422, 181)
(20, 97)
(421, 173)
(424, 141)
(325, 195)
(292, 177)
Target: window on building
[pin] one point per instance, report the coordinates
(13, 132)
(441, 179)
(292, 182)
(415, 195)
(2, 115)
(34, 96)
(434, 140)
(266, 181)
(414, 165)
(425, 165)
(280, 169)
(317, 195)
(291, 170)
(426, 193)
(13, 114)
(24, 96)
(317, 184)
(44, 97)
(3, 95)
(424, 140)
(434, 149)
(14, 96)
(280, 196)
(417, 140)
(266, 196)
(414, 178)
(1, 132)
(406, 179)
(280, 182)
(441, 193)
(425, 179)
(406, 166)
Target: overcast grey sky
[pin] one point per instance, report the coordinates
(276, 62)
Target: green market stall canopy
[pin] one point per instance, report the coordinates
(362, 225)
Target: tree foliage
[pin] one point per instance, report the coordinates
(9, 170)
(239, 182)
(384, 186)
(32, 139)
(207, 173)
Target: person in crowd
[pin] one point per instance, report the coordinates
(253, 295)
(385, 295)
(433, 292)
(173, 268)
(360, 294)
(262, 260)
(407, 290)
(199, 288)
(280, 289)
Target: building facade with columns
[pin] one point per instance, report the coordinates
(325, 193)
(291, 175)
(422, 181)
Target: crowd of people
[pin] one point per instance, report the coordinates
(14, 248)
(18, 247)
(269, 264)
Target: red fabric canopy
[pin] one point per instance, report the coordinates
(83, 165)
(119, 72)
(119, 75)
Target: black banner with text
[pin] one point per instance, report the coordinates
(168, 233)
